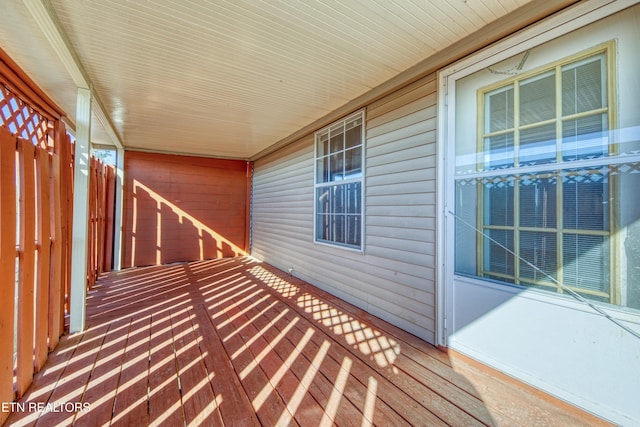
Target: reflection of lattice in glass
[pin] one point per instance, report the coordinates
(22, 120)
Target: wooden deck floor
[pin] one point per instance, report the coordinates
(238, 342)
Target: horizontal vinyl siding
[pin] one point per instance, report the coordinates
(394, 276)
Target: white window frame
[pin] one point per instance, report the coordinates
(361, 180)
(549, 29)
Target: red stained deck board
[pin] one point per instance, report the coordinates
(101, 388)
(130, 407)
(72, 382)
(282, 383)
(253, 379)
(360, 375)
(198, 398)
(315, 366)
(236, 408)
(353, 394)
(45, 381)
(253, 341)
(164, 392)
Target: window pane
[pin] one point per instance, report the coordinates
(585, 138)
(323, 200)
(538, 202)
(322, 227)
(322, 145)
(582, 86)
(538, 145)
(586, 200)
(498, 202)
(354, 134)
(586, 262)
(539, 249)
(338, 229)
(498, 151)
(496, 258)
(337, 200)
(629, 234)
(323, 209)
(538, 99)
(336, 142)
(354, 198)
(353, 163)
(336, 166)
(466, 237)
(499, 110)
(322, 170)
(353, 230)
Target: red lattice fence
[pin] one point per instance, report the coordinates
(24, 121)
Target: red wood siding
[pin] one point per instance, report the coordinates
(181, 208)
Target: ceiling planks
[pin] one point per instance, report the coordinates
(232, 78)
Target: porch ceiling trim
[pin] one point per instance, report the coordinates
(46, 19)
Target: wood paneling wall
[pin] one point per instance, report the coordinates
(394, 277)
(183, 208)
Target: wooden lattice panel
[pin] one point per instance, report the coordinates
(23, 121)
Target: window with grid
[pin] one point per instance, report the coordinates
(545, 183)
(338, 183)
(551, 219)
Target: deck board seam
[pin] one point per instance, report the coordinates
(311, 291)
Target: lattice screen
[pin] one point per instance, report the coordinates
(22, 120)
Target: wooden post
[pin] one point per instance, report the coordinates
(24, 368)
(62, 148)
(56, 300)
(44, 258)
(7, 263)
(80, 212)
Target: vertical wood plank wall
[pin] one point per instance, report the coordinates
(394, 277)
(183, 208)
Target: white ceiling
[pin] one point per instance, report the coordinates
(230, 78)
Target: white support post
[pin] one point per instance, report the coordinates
(118, 226)
(80, 212)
